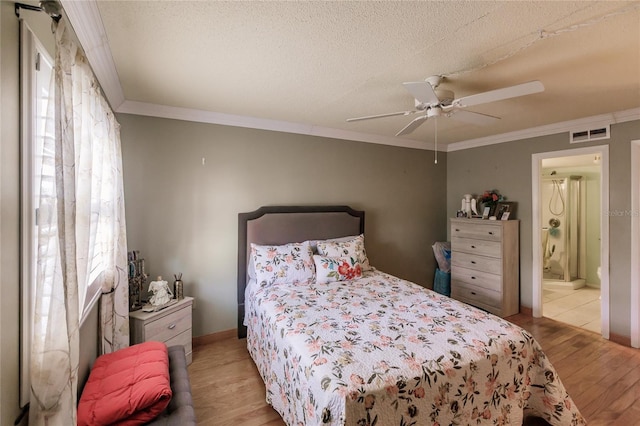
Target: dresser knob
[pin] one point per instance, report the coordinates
(473, 278)
(473, 262)
(490, 232)
(473, 246)
(172, 326)
(473, 292)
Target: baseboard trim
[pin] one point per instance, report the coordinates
(525, 310)
(615, 338)
(619, 339)
(214, 337)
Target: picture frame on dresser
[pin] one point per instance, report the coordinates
(508, 207)
(486, 213)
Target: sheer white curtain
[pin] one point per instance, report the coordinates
(81, 234)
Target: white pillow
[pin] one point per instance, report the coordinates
(329, 269)
(289, 263)
(352, 248)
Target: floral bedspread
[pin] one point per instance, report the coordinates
(384, 351)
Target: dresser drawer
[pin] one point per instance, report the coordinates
(480, 247)
(477, 278)
(476, 296)
(168, 326)
(492, 265)
(477, 230)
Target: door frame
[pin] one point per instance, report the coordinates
(536, 237)
(635, 243)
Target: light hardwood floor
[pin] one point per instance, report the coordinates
(602, 377)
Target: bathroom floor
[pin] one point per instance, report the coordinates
(580, 307)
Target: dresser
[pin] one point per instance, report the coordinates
(171, 325)
(485, 258)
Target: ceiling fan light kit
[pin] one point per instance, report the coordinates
(432, 103)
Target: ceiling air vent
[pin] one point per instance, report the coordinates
(590, 135)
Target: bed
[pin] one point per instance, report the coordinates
(355, 346)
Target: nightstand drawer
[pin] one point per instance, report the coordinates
(492, 265)
(481, 247)
(478, 230)
(477, 278)
(476, 295)
(182, 339)
(168, 326)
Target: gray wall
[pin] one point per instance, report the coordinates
(9, 192)
(183, 215)
(507, 167)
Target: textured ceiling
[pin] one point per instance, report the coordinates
(319, 63)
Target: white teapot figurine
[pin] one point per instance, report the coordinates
(161, 292)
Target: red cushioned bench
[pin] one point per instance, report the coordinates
(146, 383)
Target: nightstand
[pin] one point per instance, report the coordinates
(170, 325)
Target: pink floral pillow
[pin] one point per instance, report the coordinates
(289, 263)
(329, 269)
(353, 248)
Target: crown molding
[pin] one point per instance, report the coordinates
(549, 129)
(202, 116)
(84, 17)
(210, 117)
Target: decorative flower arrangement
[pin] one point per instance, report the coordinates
(491, 198)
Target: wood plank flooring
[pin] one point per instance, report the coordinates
(602, 377)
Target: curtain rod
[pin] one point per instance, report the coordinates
(50, 7)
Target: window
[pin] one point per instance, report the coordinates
(36, 74)
(73, 232)
(38, 178)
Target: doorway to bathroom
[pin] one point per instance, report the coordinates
(569, 204)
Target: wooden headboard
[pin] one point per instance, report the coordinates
(289, 224)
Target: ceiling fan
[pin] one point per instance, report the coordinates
(436, 103)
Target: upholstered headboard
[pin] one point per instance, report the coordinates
(288, 224)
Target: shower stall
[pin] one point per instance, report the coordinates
(563, 231)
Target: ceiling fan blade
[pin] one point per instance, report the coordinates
(500, 94)
(415, 123)
(422, 91)
(369, 117)
(473, 117)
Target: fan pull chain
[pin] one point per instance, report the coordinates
(436, 145)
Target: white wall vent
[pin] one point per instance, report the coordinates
(577, 136)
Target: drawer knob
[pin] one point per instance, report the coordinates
(473, 246)
(490, 232)
(473, 292)
(172, 326)
(457, 230)
(473, 278)
(473, 262)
